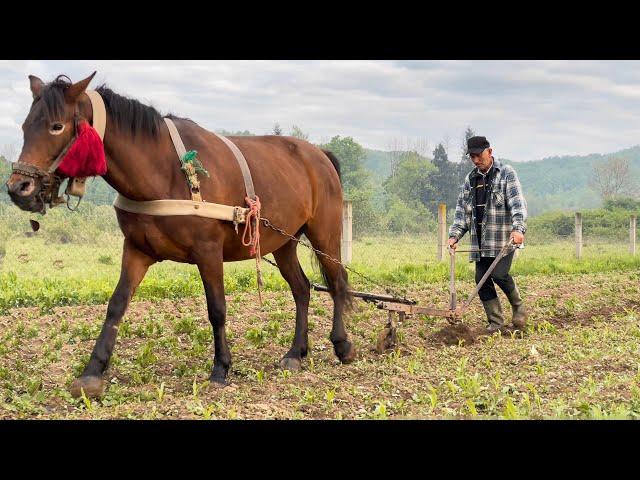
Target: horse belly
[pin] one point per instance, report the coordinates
(160, 238)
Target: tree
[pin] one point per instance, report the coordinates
(298, 133)
(444, 181)
(356, 182)
(402, 218)
(5, 172)
(351, 155)
(238, 133)
(394, 147)
(622, 203)
(446, 141)
(612, 178)
(468, 133)
(276, 129)
(463, 167)
(412, 182)
(397, 147)
(440, 156)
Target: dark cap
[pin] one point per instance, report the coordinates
(477, 144)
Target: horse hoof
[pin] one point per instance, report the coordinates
(291, 364)
(218, 383)
(349, 356)
(93, 387)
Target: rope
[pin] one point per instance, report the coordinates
(251, 237)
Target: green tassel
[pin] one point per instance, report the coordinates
(192, 157)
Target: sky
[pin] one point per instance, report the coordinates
(527, 109)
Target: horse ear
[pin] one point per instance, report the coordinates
(36, 85)
(72, 92)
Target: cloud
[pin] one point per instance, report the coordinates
(527, 109)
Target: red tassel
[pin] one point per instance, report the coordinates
(86, 157)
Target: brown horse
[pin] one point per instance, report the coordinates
(298, 185)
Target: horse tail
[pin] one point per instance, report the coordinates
(336, 279)
(334, 161)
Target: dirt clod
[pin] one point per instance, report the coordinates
(452, 334)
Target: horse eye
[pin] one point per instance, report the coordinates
(56, 128)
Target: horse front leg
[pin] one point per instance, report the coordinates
(212, 270)
(134, 267)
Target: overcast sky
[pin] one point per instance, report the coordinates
(527, 109)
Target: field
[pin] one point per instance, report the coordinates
(579, 358)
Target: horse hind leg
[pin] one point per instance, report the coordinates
(336, 279)
(289, 265)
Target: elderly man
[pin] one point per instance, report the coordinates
(492, 207)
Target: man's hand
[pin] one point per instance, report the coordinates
(453, 243)
(517, 237)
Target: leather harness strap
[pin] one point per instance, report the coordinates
(242, 162)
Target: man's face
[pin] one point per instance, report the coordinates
(482, 160)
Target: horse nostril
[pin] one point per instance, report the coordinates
(24, 188)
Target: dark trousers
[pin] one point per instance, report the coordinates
(500, 275)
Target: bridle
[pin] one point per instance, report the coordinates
(50, 181)
(49, 193)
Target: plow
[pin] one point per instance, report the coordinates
(399, 308)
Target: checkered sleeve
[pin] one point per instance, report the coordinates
(516, 202)
(460, 225)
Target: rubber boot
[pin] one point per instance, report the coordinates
(493, 309)
(519, 311)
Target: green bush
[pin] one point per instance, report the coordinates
(607, 223)
(402, 218)
(629, 204)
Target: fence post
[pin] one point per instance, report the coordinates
(347, 232)
(578, 235)
(632, 234)
(442, 231)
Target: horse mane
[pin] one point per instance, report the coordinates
(129, 114)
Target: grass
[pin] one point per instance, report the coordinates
(37, 273)
(578, 358)
(581, 366)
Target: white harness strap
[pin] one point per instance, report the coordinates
(164, 208)
(99, 112)
(196, 206)
(175, 137)
(242, 163)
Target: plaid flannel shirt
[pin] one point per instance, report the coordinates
(505, 211)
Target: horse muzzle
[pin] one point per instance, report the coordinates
(25, 192)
